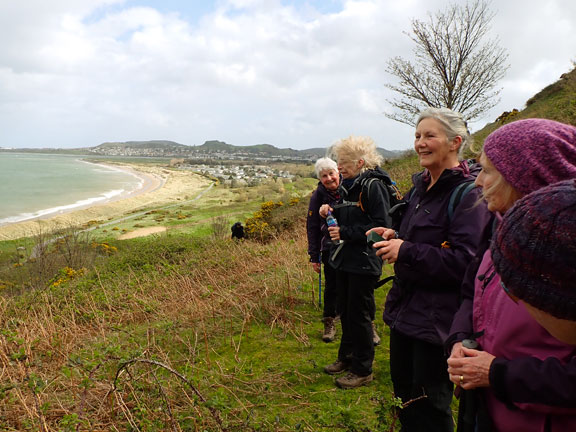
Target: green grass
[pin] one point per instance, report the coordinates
(181, 332)
(214, 333)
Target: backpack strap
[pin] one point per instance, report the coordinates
(458, 193)
(394, 194)
(384, 281)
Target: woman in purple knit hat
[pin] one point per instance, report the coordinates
(526, 377)
(542, 226)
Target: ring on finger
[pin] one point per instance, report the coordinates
(461, 379)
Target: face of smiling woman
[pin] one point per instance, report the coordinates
(434, 150)
(330, 179)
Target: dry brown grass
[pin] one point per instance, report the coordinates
(91, 354)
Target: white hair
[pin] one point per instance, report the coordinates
(324, 164)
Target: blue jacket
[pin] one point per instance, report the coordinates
(434, 256)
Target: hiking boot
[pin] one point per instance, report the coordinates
(329, 329)
(375, 337)
(336, 367)
(351, 380)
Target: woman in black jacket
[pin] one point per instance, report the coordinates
(364, 205)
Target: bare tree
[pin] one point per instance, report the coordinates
(453, 68)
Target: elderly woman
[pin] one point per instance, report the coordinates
(525, 376)
(364, 205)
(430, 250)
(319, 242)
(542, 226)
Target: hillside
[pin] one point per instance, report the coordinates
(182, 333)
(213, 148)
(141, 144)
(555, 102)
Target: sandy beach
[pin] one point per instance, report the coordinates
(159, 186)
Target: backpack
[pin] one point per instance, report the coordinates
(390, 187)
(394, 194)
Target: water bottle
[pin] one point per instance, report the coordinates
(332, 222)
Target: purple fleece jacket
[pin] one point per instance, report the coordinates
(426, 292)
(316, 229)
(533, 378)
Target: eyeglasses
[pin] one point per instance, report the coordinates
(507, 291)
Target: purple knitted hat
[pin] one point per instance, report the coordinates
(533, 153)
(534, 249)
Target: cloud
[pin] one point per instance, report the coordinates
(293, 74)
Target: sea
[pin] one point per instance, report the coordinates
(36, 185)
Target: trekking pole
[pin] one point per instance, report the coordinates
(320, 284)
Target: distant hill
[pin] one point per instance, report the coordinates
(141, 144)
(319, 152)
(213, 148)
(555, 102)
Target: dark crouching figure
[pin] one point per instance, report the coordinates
(237, 230)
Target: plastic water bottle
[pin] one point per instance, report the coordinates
(332, 222)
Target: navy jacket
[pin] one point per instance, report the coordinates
(354, 255)
(435, 254)
(316, 229)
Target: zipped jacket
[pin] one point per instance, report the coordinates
(354, 254)
(316, 229)
(436, 250)
(533, 378)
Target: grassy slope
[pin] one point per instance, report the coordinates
(555, 102)
(240, 322)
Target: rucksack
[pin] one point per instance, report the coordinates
(394, 194)
(390, 187)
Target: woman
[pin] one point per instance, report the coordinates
(523, 372)
(543, 226)
(319, 241)
(430, 250)
(357, 266)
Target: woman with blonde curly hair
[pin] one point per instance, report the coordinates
(364, 204)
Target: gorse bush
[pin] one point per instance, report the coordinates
(273, 218)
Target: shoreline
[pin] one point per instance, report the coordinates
(160, 185)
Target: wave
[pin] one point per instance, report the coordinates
(106, 196)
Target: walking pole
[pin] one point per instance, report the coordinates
(320, 284)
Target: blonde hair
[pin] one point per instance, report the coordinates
(500, 187)
(356, 148)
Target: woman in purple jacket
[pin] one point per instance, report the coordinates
(543, 277)
(319, 242)
(527, 378)
(430, 251)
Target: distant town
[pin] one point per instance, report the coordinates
(232, 165)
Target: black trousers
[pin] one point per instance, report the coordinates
(356, 306)
(330, 290)
(419, 368)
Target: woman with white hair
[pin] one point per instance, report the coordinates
(319, 242)
(430, 250)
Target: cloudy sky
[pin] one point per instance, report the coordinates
(299, 74)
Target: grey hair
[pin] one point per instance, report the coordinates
(453, 122)
(324, 164)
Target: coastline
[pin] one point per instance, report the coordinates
(159, 186)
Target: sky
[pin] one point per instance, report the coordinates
(297, 74)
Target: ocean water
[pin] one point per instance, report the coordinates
(42, 185)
